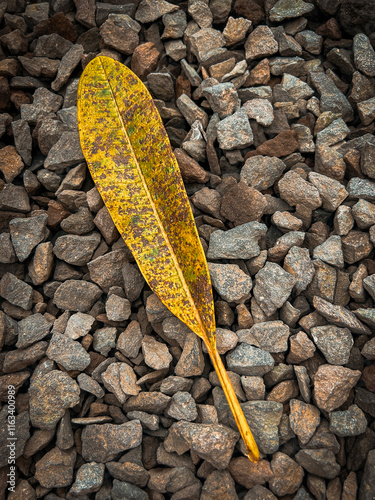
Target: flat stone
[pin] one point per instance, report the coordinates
(191, 171)
(249, 360)
(330, 252)
(68, 353)
(350, 422)
(68, 63)
(261, 172)
(321, 463)
(206, 42)
(152, 402)
(310, 41)
(296, 88)
(129, 342)
(339, 316)
(148, 10)
(288, 475)
(55, 468)
(19, 359)
(234, 132)
(32, 329)
(332, 385)
(232, 284)
(298, 263)
(368, 478)
(242, 242)
(271, 336)
(214, 443)
(50, 395)
(11, 163)
(76, 250)
(361, 188)
(272, 287)
(284, 9)
(90, 385)
(332, 134)
(76, 295)
(103, 443)
(334, 342)
(191, 111)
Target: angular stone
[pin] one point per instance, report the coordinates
(301, 348)
(182, 407)
(75, 295)
(234, 132)
(174, 25)
(332, 192)
(334, 342)
(68, 353)
(120, 32)
(223, 99)
(272, 287)
(145, 59)
(288, 475)
(295, 190)
(55, 468)
(350, 422)
(191, 361)
(330, 252)
(238, 243)
(117, 308)
(339, 316)
(50, 396)
(79, 325)
(16, 291)
(150, 10)
(260, 110)
(104, 340)
(191, 111)
(249, 474)
(130, 341)
(68, 63)
(241, 204)
(304, 419)
(249, 360)
(284, 9)
(206, 42)
(32, 329)
(65, 153)
(89, 479)
(103, 443)
(235, 30)
(26, 234)
(260, 43)
(331, 98)
(152, 402)
(232, 284)
(364, 54)
(156, 354)
(261, 172)
(271, 336)
(321, 463)
(191, 171)
(214, 443)
(298, 263)
(90, 385)
(332, 385)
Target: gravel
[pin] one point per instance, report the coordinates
(270, 109)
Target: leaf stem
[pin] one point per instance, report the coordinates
(239, 417)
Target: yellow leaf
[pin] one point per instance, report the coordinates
(131, 161)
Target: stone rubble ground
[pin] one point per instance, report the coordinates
(270, 108)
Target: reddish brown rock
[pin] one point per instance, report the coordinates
(368, 376)
(250, 10)
(59, 24)
(249, 473)
(241, 203)
(304, 419)
(55, 468)
(4, 93)
(11, 163)
(283, 144)
(145, 59)
(56, 213)
(260, 75)
(330, 29)
(288, 475)
(332, 385)
(191, 171)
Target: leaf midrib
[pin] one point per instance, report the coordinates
(160, 225)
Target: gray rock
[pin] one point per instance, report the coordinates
(310, 41)
(339, 316)
(368, 479)
(206, 42)
(304, 419)
(67, 65)
(334, 342)
(295, 191)
(272, 336)
(16, 291)
(65, 153)
(75, 295)
(330, 252)
(361, 188)
(44, 102)
(106, 270)
(272, 287)
(350, 422)
(174, 26)
(249, 360)
(321, 463)
(68, 353)
(223, 99)
(260, 43)
(22, 139)
(213, 443)
(283, 9)
(123, 489)
(156, 354)
(191, 111)
(331, 98)
(7, 254)
(90, 385)
(130, 340)
(27, 233)
(260, 110)
(120, 32)
(364, 54)
(332, 134)
(32, 329)
(152, 402)
(296, 88)
(117, 308)
(261, 172)
(161, 85)
(76, 250)
(263, 418)
(104, 340)
(367, 159)
(234, 132)
(53, 46)
(103, 443)
(232, 284)
(50, 395)
(150, 10)
(191, 361)
(175, 49)
(89, 479)
(332, 192)
(238, 243)
(182, 407)
(79, 324)
(366, 111)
